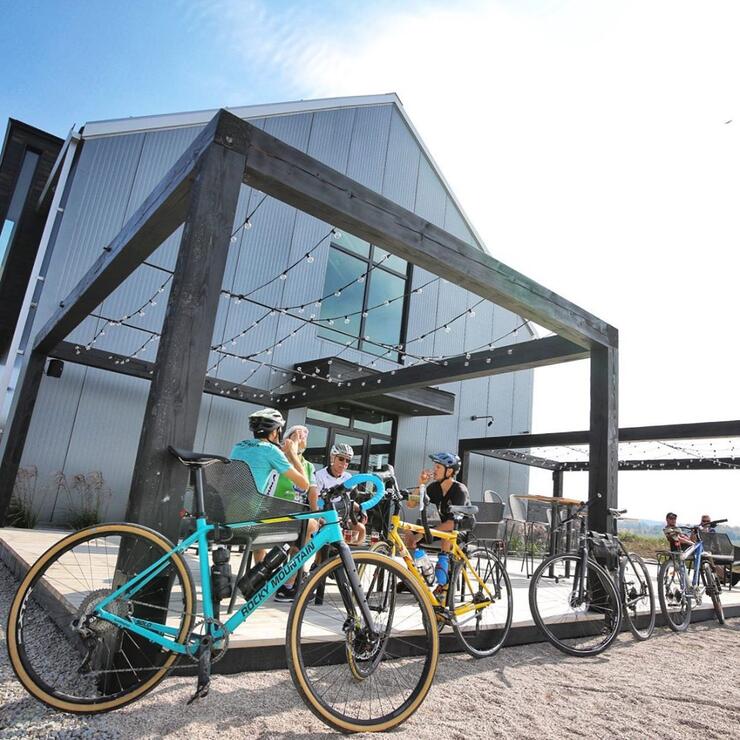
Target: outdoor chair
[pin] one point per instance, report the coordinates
(724, 554)
(490, 526)
(491, 497)
(232, 496)
(518, 517)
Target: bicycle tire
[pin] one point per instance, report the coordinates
(312, 656)
(599, 616)
(40, 612)
(481, 641)
(629, 598)
(710, 582)
(675, 604)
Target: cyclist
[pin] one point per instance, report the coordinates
(677, 540)
(268, 460)
(286, 488)
(444, 491)
(340, 456)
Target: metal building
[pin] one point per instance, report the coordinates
(89, 419)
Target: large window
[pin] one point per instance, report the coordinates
(369, 433)
(366, 311)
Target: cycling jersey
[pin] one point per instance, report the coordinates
(457, 495)
(325, 480)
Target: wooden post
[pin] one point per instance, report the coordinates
(557, 483)
(16, 430)
(604, 437)
(171, 417)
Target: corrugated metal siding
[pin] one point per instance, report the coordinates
(372, 145)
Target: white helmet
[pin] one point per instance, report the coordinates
(340, 448)
(262, 422)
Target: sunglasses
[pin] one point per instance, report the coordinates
(706, 521)
(347, 460)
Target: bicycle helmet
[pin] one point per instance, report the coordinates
(447, 460)
(340, 448)
(262, 422)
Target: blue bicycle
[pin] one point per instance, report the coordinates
(102, 616)
(678, 591)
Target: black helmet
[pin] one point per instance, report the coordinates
(262, 422)
(447, 460)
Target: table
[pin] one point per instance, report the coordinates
(554, 502)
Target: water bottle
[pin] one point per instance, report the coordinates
(442, 568)
(424, 565)
(258, 576)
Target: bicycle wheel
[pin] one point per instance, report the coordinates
(578, 615)
(352, 680)
(675, 604)
(710, 583)
(97, 666)
(638, 599)
(480, 600)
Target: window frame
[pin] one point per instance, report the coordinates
(369, 262)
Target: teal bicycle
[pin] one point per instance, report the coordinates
(103, 615)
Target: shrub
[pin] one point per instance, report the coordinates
(87, 498)
(22, 508)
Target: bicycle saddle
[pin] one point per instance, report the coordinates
(465, 509)
(188, 457)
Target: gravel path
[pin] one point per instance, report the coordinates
(635, 690)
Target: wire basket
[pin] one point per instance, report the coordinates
(231, 496)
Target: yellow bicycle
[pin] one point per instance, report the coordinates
(477, 600)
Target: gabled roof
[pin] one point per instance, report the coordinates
(139, 124)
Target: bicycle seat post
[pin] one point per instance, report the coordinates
(198, 480)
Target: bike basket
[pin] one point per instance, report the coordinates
(231, 496)
(604, 549)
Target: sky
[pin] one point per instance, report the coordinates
(595, 147)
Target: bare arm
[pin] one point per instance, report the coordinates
(296, 474)
(313, 498)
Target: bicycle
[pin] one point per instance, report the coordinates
(677, 592)
(477, 602)
(134, 615)
(580, 614)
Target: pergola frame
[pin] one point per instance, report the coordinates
(201, 191)
(509, 448)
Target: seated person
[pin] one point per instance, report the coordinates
(288, 490)
(268, 460)
(444, 491)
(332, 475)
(677, 540)
(706, 524)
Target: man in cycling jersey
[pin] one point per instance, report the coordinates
(285, 488)
(443, 491)
(677, 540)
(332, 475)
(268, 459)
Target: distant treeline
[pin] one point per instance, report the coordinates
(653, 528)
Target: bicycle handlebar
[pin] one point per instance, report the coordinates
(355, 480)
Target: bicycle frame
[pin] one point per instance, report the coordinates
(696, 551)
(397, 525)
(330, 533)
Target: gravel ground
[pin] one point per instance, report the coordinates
(635, 690)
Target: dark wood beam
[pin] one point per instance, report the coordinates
(521, 356)
(158, 216)
(171, 416)
(697, 430)
(603, 438)
(523, 458)
(311, 186)
(686, 463)
(137, 368)
(16, 429)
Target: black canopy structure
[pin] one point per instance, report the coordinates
(201, 192)
(696, 446)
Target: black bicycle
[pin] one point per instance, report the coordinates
(573, 598)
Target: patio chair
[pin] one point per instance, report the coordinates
(490, 527)
(491, 497)
(724, 554)
(518, 517)
(231, 496)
